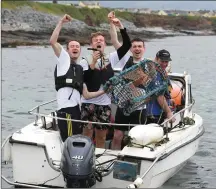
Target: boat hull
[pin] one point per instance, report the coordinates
(31, 163)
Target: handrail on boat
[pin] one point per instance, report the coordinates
(37, 114)
(182, 110)
(38, 109)
(45, 103)
(19, 184)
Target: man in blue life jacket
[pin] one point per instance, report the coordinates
(69, 82)
(158, 109)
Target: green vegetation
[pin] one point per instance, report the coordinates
(96, 16)
(192, 18)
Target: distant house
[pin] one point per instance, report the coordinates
(76, 5)
(194, 13)
(121, 9)
(163, 13)
(175, 12)
(190, 13)
(154, 12)
(209, 14)
(212, 14)
(90, 4)
(206, 15)
(180, 13)
(133, 10)
(145, 11)
(170, 12)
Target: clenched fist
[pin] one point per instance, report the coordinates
(111, 16)
(66, 18)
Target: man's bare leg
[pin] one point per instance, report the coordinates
(100, 136)
(117, 139)
(88, 131)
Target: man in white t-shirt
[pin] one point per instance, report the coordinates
(98, 68)
(68, 82)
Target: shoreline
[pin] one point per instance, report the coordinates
(25, 26)
(23, 38)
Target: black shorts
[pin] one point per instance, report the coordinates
(136, 117)
(96, 113)
(69, 128)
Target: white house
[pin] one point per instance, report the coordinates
(163, 13)
(90, 4)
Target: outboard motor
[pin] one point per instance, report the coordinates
(78, 162)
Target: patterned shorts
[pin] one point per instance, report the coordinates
(96, 113)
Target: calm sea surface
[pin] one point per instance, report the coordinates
(27, 80)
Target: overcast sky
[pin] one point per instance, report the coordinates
(165, 5)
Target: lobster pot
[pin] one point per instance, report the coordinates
(135, 86)
(78, 162)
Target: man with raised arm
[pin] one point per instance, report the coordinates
(98, 68)
(68, 82)
(139, 115)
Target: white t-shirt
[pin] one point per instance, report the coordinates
(115, 63)
(64, 93)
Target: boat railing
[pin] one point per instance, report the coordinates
(37, 108)
(166, 123)
(38, 114)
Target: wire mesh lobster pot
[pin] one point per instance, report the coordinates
(135, 86)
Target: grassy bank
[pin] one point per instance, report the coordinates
(91, 16)
(94, 17)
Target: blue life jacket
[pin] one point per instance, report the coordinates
(153, 107)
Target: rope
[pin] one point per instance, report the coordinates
(81, 121)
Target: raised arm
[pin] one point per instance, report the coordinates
(126, 45)
(114, 36)
(54, 37)
(122, 50)
(113, 32)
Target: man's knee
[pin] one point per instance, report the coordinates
(101, 134)
(118, 134)
(87, 131)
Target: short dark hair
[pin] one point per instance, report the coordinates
(138, 40)
(70, 41)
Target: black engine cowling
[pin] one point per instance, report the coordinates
(78, 162)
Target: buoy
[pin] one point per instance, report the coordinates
(176, 94)
(146, 134)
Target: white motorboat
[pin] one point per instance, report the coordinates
(156, 152)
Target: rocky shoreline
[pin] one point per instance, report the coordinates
(25, 26)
